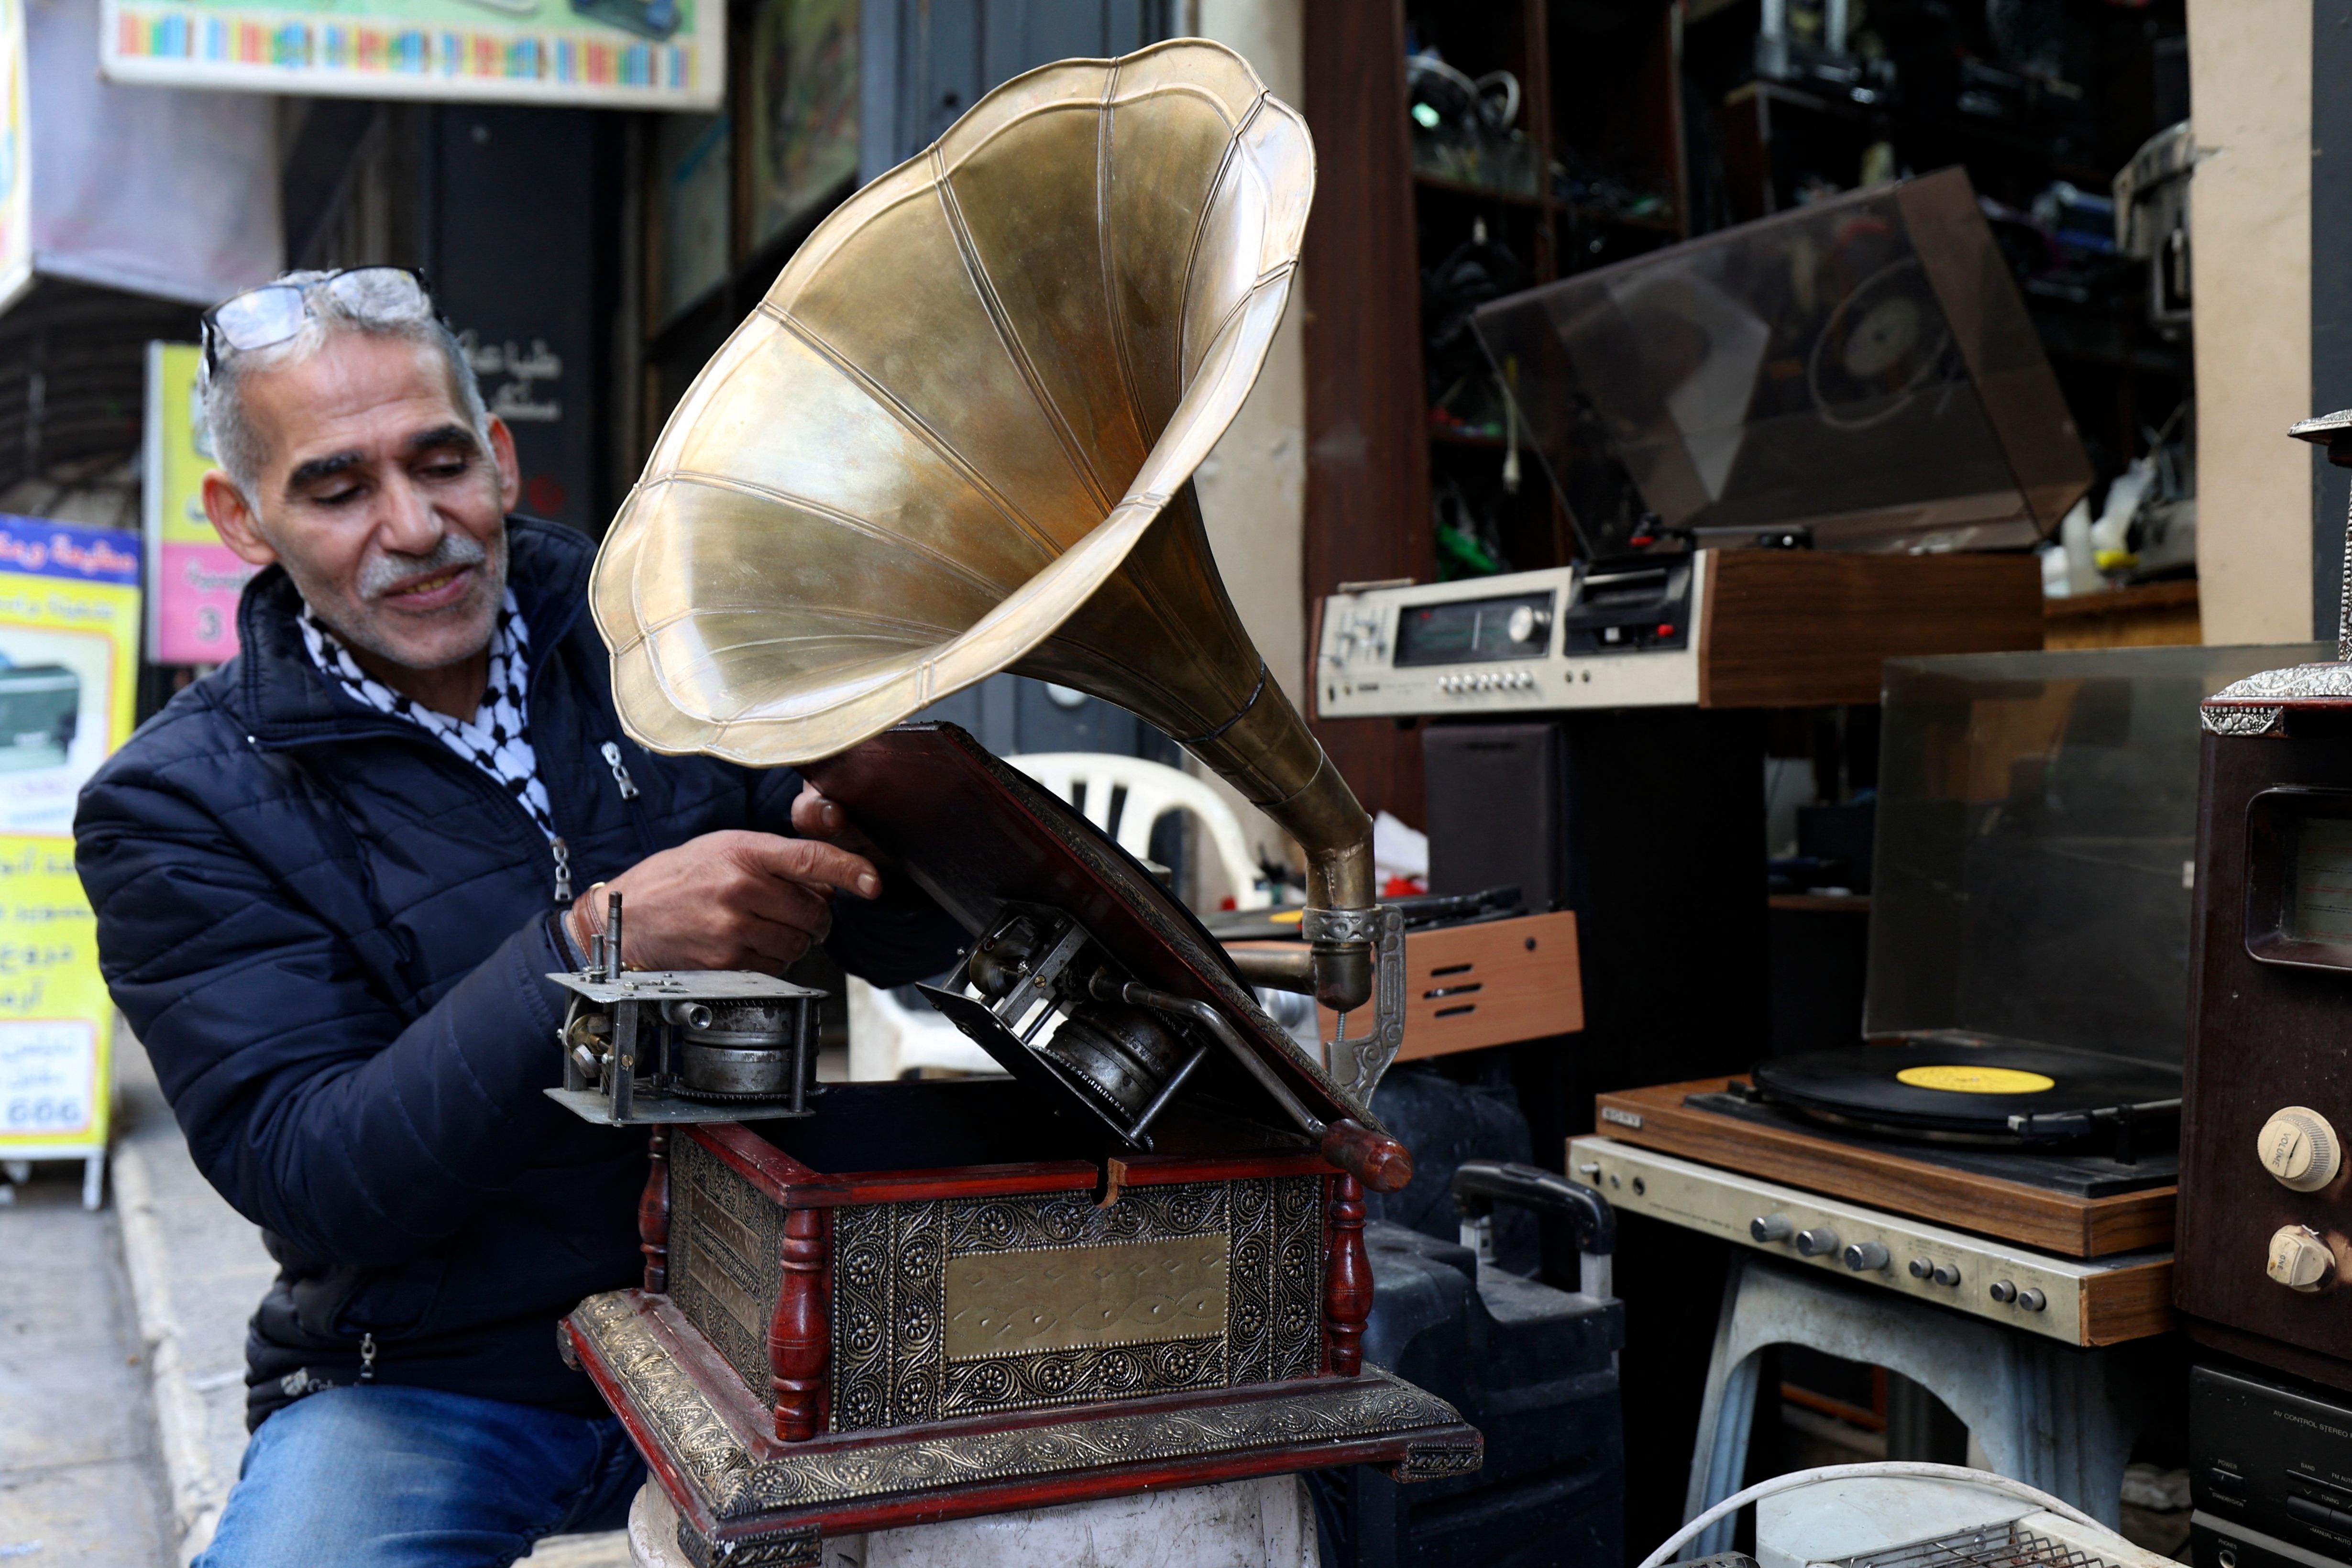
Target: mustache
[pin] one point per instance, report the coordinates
(386, 573)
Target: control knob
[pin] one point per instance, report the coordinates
(1770, 1228)
(1865, 1257)
(1818, 1242)
(1527, 621)
(2300, 1149)
(2299, 1260)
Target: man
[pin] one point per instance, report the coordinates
(329, 879)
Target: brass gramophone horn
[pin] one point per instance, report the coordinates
(957, 437)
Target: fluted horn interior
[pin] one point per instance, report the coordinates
(956, 436)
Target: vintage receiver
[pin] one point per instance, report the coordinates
(2270, 1472)
(2082, 1302)
(1718, 628)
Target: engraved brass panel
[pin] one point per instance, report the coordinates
(732, 1297)
(732, 1234)
(1136, 1292)
(1197, 1285)
(724, 1242)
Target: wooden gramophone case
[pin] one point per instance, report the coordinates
(929, 1300)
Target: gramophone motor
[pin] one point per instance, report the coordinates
(1122, 1053)
(731, 1049)
(659, 1045)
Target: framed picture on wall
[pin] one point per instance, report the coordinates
(801, 120)
(692, 251)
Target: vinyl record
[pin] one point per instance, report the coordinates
(1968, 1088)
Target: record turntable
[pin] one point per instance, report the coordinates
(2011, 1116)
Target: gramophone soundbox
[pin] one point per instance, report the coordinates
(935, 1299)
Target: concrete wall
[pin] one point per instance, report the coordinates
(1253, 487)
(2250, 69)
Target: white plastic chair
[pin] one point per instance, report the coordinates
(1124, 796)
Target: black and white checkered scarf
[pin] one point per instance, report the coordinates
(494, 740)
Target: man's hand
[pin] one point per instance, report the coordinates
(815, 817)
(728, 900)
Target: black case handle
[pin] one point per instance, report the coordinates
(1479, 1185)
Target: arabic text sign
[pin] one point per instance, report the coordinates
(69, 663)
(637, 54)
(192, 612)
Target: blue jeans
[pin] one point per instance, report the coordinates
(406, 1477)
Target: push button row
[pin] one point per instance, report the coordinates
(1491, 681)
(2310, 1511)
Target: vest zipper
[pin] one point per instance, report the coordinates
(562, 853)
(367, 1358)
(620, 773)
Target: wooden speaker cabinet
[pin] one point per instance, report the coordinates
(2265, 1215)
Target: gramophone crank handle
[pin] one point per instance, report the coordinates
(1379, 1163)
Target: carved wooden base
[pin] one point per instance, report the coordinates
(744, 1497)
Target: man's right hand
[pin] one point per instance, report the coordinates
(728, 900)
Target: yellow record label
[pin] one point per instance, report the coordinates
(1976, 1079)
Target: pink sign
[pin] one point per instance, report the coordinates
(196, 604)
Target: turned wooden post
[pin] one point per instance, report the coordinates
(1347, 1279)
(798, 1336)
(653, 1215)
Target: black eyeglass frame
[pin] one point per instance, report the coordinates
(210, 321)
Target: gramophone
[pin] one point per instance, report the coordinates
(956, 438)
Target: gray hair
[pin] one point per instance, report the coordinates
(220, 393)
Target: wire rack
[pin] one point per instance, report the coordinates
(1990, 1546)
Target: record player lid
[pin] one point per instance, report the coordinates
(2036, 838)
(1863, 366)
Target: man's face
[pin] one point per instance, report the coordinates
(377, 497)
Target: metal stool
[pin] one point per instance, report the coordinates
(2046, 1414)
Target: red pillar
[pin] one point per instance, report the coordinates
(653, 1216)
(1348, 1279)
(798, 1336)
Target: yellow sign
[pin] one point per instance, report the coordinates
(1976, 1079)
(69, 662)
(193, 578)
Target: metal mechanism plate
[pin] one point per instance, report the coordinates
(647, 1109)
(1724, 1204)
(626, 1088)
(678, 985)
(1357, 673)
